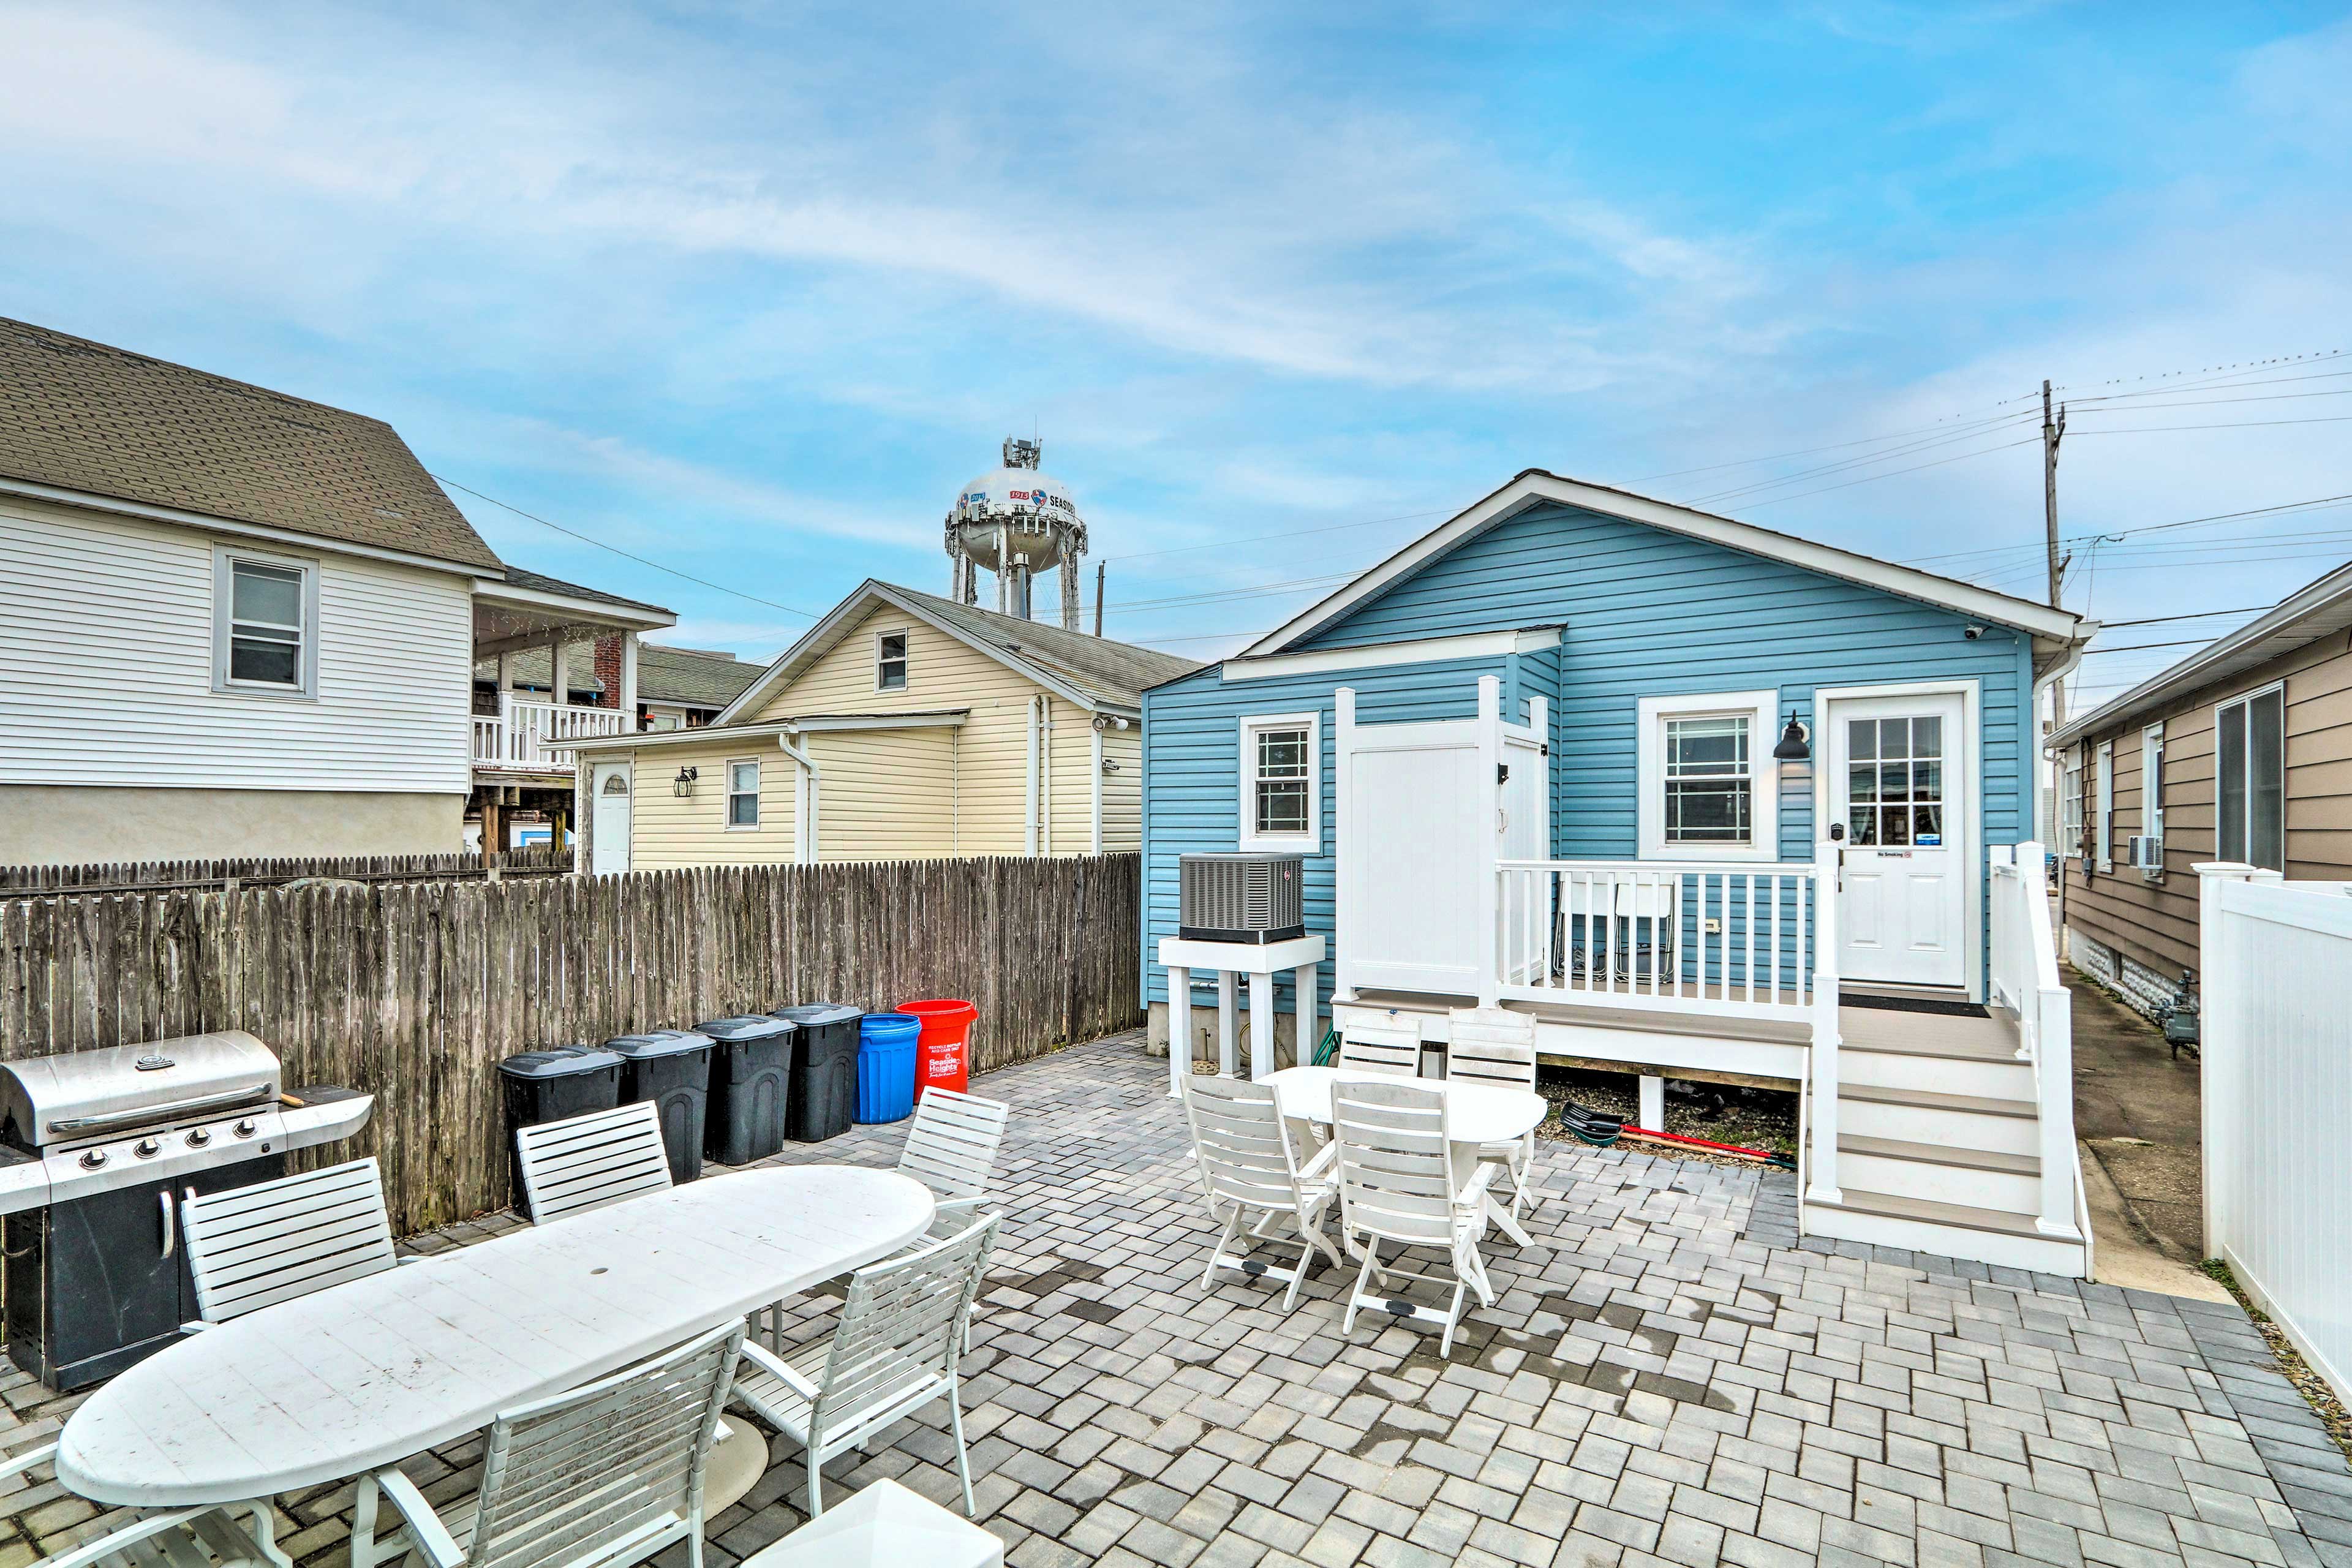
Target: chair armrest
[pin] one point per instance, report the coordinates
(196, 1326)
(959, 1205)
(433, 1538)
(1321, 1165)
(776, 1366)
(104, 1548)
(1474, 1191)
(17, 1464)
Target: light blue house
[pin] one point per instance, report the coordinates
(1531, 760)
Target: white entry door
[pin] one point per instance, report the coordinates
(1898, 782)
(608, 807)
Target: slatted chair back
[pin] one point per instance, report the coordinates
(952, 1142)
(1389, 1050)
(1491, 1045)
(1241, 1143)
(1396, 1179)
(251, 1246)
(618, 1462)
(901, 1329)
(586, 1162)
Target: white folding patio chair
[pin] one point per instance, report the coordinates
(1495, 1046)
(250, 1247)
(1248, 1166)
(1390, 1049)
(206, 1536)
(951, 1147)
(586, 1162)
(893, 1352)
(599, 1477)
(1397, 1184)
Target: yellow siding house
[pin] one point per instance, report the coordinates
(903, 726)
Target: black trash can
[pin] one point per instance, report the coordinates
(553, 1085)
(751, 1074)
(672, 1068)
(824, 1072)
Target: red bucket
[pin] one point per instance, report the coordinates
(942, 1060)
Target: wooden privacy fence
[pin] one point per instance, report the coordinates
(413, 991)
(159, 876)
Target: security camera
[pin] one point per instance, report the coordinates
(1972, 632)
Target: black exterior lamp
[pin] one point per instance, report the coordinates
(1792, 747)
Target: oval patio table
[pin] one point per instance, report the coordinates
(365, 1374)
(1475, 1114)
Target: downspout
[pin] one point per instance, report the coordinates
(806, 790)
(1046, 774)
(955, 790)
(1094, 839)
(1029, 800)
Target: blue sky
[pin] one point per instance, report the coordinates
(749, 290)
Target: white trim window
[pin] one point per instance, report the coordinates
(2249, 742)
(2070, 802)
(891, 660)
(265, 624)
(2151, 794)
(1282, 782)
(1709, 790)
(2102, 825)
(742, 794)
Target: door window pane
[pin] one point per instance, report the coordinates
(1897, 800)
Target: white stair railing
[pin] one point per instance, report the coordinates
(524, 733)
(2026, 982)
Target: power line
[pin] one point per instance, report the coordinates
(1847, 463)
(2144, 646)
(2233, 424)
(1943, 425)
(1261, 538)
(2192, 616)
(642, 560)
(1869, 479)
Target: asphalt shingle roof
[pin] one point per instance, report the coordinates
(81, 415)
(540, 581)
(686, 676)
(1107, 671)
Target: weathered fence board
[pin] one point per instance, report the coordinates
(414, 989)
(159, 876)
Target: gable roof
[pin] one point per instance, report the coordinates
(81, 417)
(2318, 609)
(688, 676)
(541, 582)
(1535, 487)
(1093, 672)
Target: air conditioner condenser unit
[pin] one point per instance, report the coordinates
(1245, 898)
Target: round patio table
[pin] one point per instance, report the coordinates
(364, 1374)
(1475, 1114)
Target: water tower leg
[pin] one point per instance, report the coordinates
(1069, 593)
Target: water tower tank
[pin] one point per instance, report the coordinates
(1016, 523)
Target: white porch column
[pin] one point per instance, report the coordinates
(506, 677)
(1180, 1027)
(1260, 989)
(1229, 1025)
(1490, 803)
(1302, 983)
(628, 682)
(558, 673)
(1343, 740)
(1653, 1109)
(1822, 1173)
(2217, 1042)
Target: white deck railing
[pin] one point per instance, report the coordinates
(521, 734)
(2024, 964)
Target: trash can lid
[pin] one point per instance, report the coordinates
(745, 1027)
(558, 1061)
(888, 1028)
(659, 1043)
(812, 1014)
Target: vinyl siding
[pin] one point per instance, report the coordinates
(667, 832)
(106, 667)
(885, 795)
(2154, 921)
(1646, 613)
(1123, 791)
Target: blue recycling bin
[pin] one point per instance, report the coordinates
(886, 1065)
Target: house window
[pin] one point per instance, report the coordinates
(2253, 779)
(1281, 781)
(265, 624)
(891, 662)
(2151, 790)
(743, 793)
(2070, 803)
(1707, 790)
(2102, 817)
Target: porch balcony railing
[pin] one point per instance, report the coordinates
(2024, 974)
(521, 735)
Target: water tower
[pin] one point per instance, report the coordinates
(1016, 523)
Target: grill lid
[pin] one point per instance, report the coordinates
(77, 1095)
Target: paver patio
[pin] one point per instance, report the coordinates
(1668, 1376)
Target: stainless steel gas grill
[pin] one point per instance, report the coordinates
(96, 1150)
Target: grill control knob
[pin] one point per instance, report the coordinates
(247, 1128)
(199, 1136)
(93, 1158)
(147, 1148)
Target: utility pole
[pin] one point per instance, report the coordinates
(1102, 569)
(2053, 432)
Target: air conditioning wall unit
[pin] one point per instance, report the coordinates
(2145, 852)
(1245, 898)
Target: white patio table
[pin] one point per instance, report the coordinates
(1475, 1114)
(365, 1374)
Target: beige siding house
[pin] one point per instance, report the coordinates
(2242, 751)
(903, 726)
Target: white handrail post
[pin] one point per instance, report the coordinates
(1343, 934)
(2053, 1067)
(1490, 799)
(1179, 1028)
(2217, 1044)
(1822, 1169)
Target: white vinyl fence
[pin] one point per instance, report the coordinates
(2276, 1032)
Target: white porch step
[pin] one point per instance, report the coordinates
(1939, 1172)
(1997, 1125)
(1994, 1074)
(1997, 1237)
